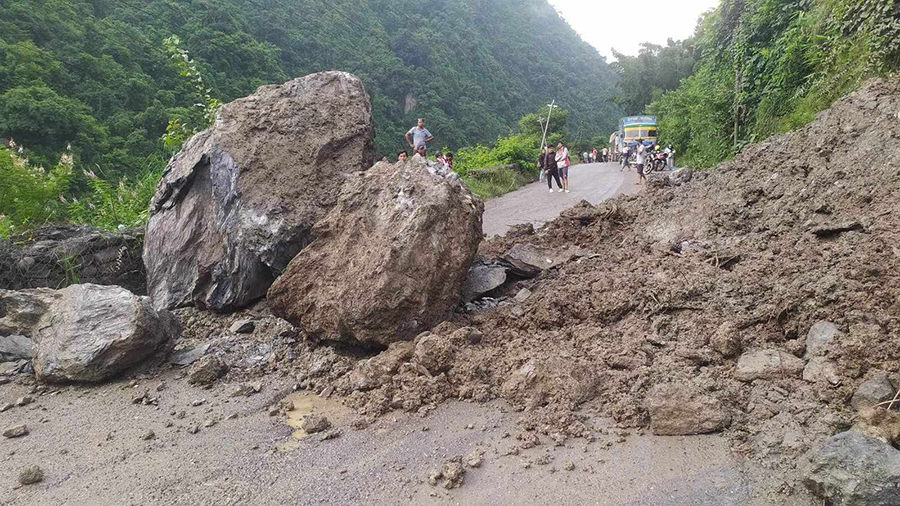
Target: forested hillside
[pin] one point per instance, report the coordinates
(762, 67)
(95, 73)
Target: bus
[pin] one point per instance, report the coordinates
(638, 127)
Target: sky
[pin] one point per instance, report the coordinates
(602, 23)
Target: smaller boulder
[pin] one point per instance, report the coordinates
(31, 475)
(482, 279)
(873, 391)
(206, 371)
(313, 424)
(768, 365)
(820, 336)
(15, 347)
(435, 353)
(680, 410)
(853, 469)
(820, 369)
(16, 431)
(725, 340)
(681, 176)
(528, 261)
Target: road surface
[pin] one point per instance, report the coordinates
(593, 182)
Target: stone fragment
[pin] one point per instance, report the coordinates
(852, 469)
(820, 336)
(523, 295)
(240, 199)
(820, 369)
(15, 347)
(435, 353)
(31, 475)
(189, 356)
(873, 391)
(207, 371)
(24, 400)
(16, 431)
(243, 327)
(681, 176)
(314, 423)
(482, 279)
(683, 409)
(768, 365)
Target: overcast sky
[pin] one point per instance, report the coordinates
(602, 24)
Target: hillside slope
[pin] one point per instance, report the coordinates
(95, 74)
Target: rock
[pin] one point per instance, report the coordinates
(389, 260)
(24, 400)
(681, 176)
(853, 469)
(148, 435)
(209, 423)
(378, 370)
(189, 356)
(679, 410)
(475, 459)
(482, 279)
(768, 365)
(89, 333)
(820, 335)
(53, 256)
(821, 369)
(15, 347)
(879, 423)
(725, 340)
(451, 474)
(314, 423)
(523, 295)
(207, 371)
(528, 261)
(240, 199)
(5, 407)
(331, 434)
(243, 327)
(874, 390)
(16, 431)
(245, 390)
(435, 353)
(570, 466)
(31, 475)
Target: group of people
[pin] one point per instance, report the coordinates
(418, 138)
(595, 156)
(554, 164)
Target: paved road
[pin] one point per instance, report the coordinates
(593, 182)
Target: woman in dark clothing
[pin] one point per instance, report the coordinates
(552, 169)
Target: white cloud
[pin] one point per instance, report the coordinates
(607, 24)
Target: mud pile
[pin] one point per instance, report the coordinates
(674, 285)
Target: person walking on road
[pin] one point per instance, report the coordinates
(551, 169)
(640, 159)
(418, 137)
(562, 163)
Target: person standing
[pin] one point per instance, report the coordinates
(418, 137)
(551, 169)
(448, 159)
(542, 163)
(670, 157)
(562, 163)
(641, 157)
(605, 157)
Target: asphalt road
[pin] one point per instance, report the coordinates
(594, 182)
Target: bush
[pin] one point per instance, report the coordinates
(31, 196)
(108, 206)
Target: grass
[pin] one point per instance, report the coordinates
(494, 183)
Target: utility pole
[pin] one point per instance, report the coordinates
(551, 106)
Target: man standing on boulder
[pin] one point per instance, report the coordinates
(418, 137)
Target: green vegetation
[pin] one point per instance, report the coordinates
(98, 74)
(31, 194)
(765, 67)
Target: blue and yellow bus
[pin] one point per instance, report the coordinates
(638, 127)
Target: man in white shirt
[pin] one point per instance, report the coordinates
(562, 161)
(420, 137)
(639, 161)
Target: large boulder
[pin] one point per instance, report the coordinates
(853, 469)
(679, 410)
(57, 256)
(388, 261)
(86, 332)
(239, 201)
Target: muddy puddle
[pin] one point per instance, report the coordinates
(305, 404)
